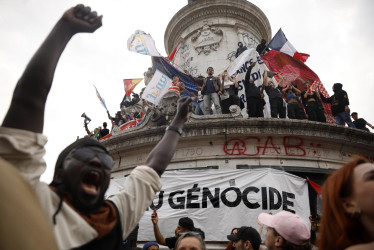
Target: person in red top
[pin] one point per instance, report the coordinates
(177, 86)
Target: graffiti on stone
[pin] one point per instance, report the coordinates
(254, 146)
(187, 63)
(249, 41)
(231, 56)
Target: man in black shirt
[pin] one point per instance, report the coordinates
(339, 105)
(360, 123)
(211, 89)
(104, 131)
(241, 48)
(185, 224)
(261, 48)
(275, 96)
(255, 103)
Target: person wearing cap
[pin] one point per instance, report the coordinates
(285, 230)
(73, 203)
(246, 238)
(151, 245)
(185, 224)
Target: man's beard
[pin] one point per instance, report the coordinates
(77, 203)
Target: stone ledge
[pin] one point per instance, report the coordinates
(217, 125)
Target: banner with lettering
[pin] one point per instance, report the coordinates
(219, 200)
(240, 66)
(157, 87)
(142, 43)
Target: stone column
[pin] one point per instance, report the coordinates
(207, 33)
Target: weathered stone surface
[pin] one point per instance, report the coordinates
(226, 142)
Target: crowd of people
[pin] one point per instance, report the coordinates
(71, 212)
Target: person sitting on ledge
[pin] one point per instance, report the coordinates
(360, 123)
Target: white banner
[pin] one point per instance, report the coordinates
(142, 43)
(219, 200)
(240, 66)
(157, 87)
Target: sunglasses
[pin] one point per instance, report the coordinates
(86, 154)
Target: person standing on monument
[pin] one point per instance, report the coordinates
(255, 103)
(275, 96)
(339, 105)
(211, 89)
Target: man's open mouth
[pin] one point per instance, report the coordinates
(91, 182)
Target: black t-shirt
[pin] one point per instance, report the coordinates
(209, 88)
(104, 132)
(274, 93)
(170, 242)
(360, 123)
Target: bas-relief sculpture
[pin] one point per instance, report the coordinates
(207, 39)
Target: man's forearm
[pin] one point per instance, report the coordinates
(159, 238)
(160, 156)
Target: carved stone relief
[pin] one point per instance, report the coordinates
(207, 39)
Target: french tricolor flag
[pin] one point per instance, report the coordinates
(280, 43)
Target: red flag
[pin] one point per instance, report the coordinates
(130, 84)
(296, 71)
(315, 186)
(171, 56)
(301, 56)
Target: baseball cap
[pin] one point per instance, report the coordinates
(290, 226)
(150, 243)
(246, 233)
(186, 223)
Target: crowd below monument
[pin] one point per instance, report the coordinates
(76, 215)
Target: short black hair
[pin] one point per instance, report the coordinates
(210, 67)
(354, 113)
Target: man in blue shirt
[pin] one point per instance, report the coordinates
(211, 89)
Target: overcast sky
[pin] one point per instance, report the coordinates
(336, 33)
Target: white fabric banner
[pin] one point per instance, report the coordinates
(219, 200)
(157, 87)
(240, 66)
(142, 43)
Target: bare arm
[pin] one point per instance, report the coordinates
(266, 79)
(30, 94)
(297, 90)
(235, 81)
(370, 125)
(156, 230)
(161, 155)
(285, 89)
(199, 81)
(248, 74)
(86, 127)
(280, 84)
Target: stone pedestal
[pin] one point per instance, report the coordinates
(207, 33)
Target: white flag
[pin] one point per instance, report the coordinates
(157, 87)
(142, 43)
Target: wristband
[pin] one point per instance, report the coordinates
(176, 129)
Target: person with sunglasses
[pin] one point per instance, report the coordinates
(74, 202)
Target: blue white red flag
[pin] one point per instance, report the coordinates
(101, 99)
(280, 43)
